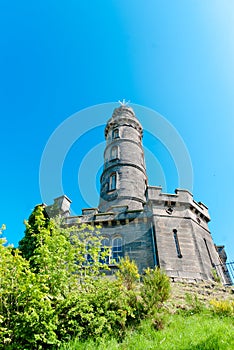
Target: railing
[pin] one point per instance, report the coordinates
(227, 270)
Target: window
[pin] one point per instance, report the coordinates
(115, 133)
(169, 210)
(105, 249)
(112, 182)
(114, 152)
(89, 259)
(177, 244)
(117, 249)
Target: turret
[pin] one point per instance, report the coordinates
(123, 180)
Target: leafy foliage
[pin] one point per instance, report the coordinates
(35, 285)
(104, 309)
(202, 331)
(128, 273)
(194, 305)
(37, 222)
(215, 275)
(52, 288)
(26, 312)
(223, 307)
(155, 289)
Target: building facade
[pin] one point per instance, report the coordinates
(138, 220)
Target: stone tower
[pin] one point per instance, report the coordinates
(123, 180)
(169, 230)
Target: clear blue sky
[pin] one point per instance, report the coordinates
(175, 57)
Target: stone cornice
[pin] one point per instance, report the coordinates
(117, 164)
(123, 116)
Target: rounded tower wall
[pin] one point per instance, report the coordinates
(123, 181)
(125, 131)
(126, 151)
(131, 134)
(130, 182)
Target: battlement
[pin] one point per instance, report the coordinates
(61, 206)
(151, 227)
(180, 197)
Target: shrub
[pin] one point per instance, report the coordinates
(128, 273)
(36, 288)
(26, 313)
(102, 310)
(55, 291)
(155, 289)
(223, 307)
(215, 276)
(195, 306)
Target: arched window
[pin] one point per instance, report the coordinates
(117, 249)
(105, 252)
(112, 182)
(115, 133)
(114, 152)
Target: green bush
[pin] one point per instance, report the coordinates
(194, 305)
(202, 331)
(52, 272)
(128, 273)
(26, 312)
(52, 293)
(104, 309)
(215, 276)
(155, 289)
(223, 307)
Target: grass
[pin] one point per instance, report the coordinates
(190, 324)
(201, 331)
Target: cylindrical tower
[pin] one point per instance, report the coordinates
(123, 180)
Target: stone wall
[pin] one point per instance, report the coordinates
(184, 244)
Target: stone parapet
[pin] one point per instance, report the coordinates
(61, 206)
(181, 197)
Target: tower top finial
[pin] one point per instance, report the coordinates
(124, 102)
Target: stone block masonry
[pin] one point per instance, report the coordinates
(140, 221)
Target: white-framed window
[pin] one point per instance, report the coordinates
(114, 152)
(105, 249)
(115, 133)
(117, 249)
(112, 182)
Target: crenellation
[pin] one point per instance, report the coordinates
(169, 230)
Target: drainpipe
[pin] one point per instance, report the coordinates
(154, 245)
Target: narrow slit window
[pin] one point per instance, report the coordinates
(112, 183)
(177, 244)
(115, 133)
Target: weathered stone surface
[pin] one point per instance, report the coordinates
(154, 228)
(204, 292)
